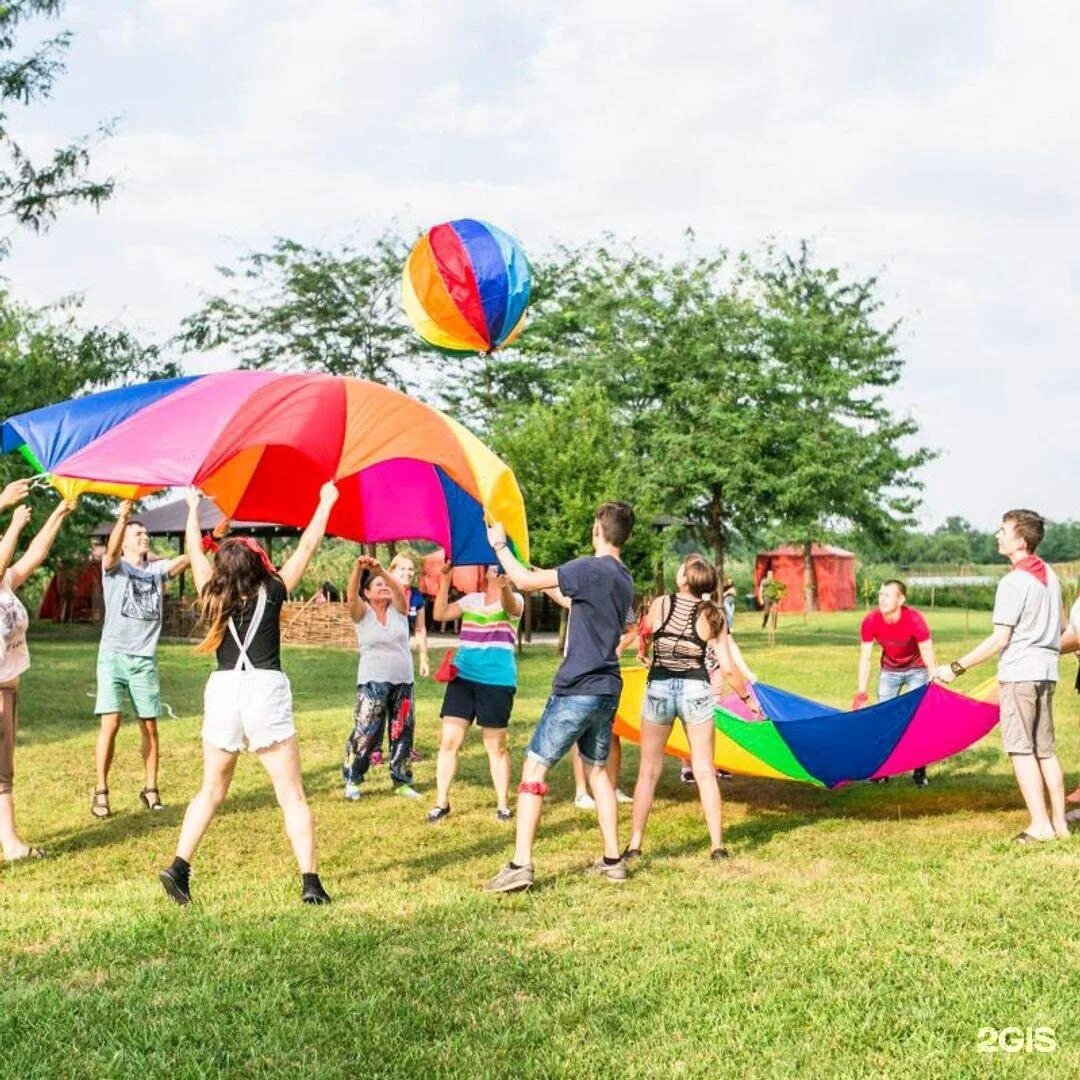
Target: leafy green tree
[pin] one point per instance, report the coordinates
(569, 456)
(32, 192)
(839, 455)
(299, 307)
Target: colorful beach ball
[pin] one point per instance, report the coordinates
(466, 286)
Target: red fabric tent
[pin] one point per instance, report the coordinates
(834, 569)
(74, 594)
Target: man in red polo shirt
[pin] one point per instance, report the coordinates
(907, 651)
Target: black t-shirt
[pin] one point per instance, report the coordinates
(601, 593)
(264, 652)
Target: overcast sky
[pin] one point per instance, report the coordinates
(936, 145)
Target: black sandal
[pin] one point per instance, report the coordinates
(99, 804)
(719, 854)
(33, 853)
(151, 804)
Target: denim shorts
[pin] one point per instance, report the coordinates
(584, 720)
(688, 699)
(892, 683)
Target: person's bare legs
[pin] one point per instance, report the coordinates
(454, 729)
(529, 809)
(580, 787)
(1054, 780)
(498, 763)
(150, 751)
(701, 738)
(653, 739)
(1030, 778)
(282, 762)
(607, 809)
(106, 745)
(218, 769)
(614, 760)
(13, 845)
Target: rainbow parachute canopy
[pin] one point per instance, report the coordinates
(817, 744)
(465, 287)
(261, 443)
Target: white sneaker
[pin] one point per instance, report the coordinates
(621, 796)
(352, 792)
(585, 801)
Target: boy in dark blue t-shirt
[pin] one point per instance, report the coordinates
(586, 689)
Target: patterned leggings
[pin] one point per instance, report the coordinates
(379, 705)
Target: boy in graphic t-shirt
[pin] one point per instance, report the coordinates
(127, 655)
(907, 651)
(585, 694)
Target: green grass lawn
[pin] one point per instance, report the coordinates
(869, 931)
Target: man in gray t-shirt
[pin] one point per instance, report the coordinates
(127, 665)
(1027, 635)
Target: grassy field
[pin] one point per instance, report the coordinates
(868, 932)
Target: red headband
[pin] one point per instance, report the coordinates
(210, 544)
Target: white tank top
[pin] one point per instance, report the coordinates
(384, 650)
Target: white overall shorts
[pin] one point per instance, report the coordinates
(247, 702)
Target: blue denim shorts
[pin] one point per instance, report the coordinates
(892, 683)
(688, 699)
(583, 720)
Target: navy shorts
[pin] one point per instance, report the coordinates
(489, 706)
(582, 720)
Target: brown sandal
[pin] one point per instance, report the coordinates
(154, 803)
(99, 804)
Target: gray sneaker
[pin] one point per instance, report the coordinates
(511, 879)
(614, 872)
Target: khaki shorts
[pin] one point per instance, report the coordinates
(1027, 718)
(9, 709)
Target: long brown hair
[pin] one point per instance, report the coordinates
(238, 573)
(702, 580)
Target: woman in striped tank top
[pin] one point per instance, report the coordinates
(483, 688)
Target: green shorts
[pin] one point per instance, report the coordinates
(120, 676)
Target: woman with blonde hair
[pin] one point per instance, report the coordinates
(248, 697)
(683, 626)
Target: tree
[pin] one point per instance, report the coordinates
(310, 308)
(838, 454)
(669, 347)
(33, 193)
(568, 457)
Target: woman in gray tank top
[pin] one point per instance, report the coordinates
(379, 608)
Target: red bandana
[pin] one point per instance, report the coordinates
(1034, 566)
(210, 544)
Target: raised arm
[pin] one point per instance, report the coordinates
(10, 539)
(201, 567)
(356, 604)
(116, 538)
(310, 538)
(41, 545)
(511, 602)
(443, 610)
(525, 579)
(399, 600)
(14, 493)
(420, 633)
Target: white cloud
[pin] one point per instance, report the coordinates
(933, 145)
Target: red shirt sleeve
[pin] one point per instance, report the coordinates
(868, 630)
(920, 629)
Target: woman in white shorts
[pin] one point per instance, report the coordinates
(248, 697)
